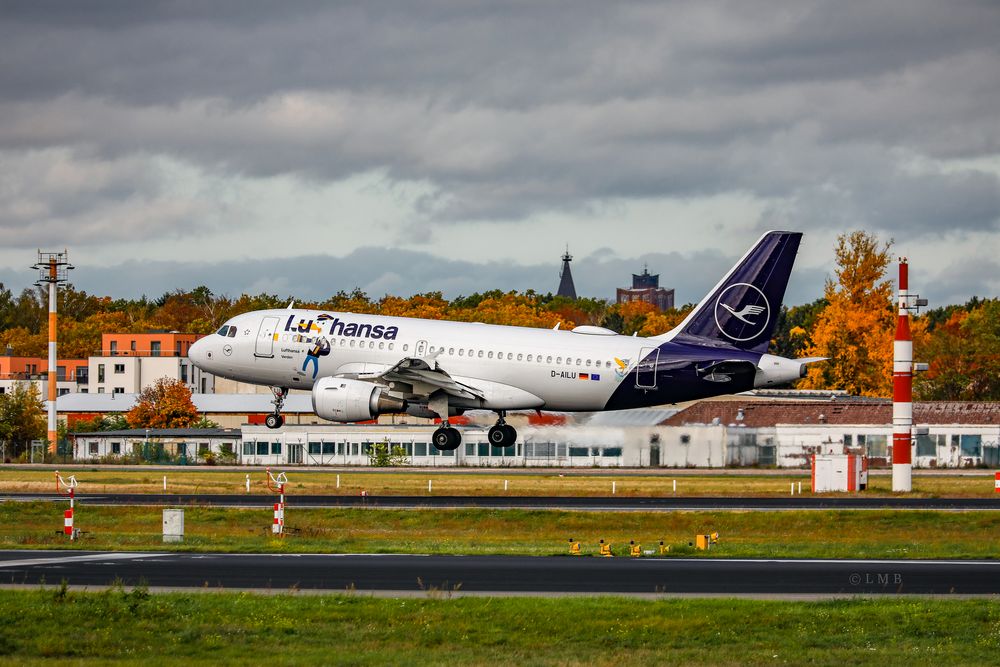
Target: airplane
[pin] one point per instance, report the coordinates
(361, 366)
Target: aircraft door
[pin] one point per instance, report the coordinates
(645, 370)
(265, 337)
(420, 349)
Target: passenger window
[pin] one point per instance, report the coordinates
(390, 346)
(588, 362)
(352, 343)
(558, 360)
(529, 357)
(451, 352)
(520, 356)
(381, 346)
(480, 354)
(549, 360)
(579, 362)
(470, 352)
(510, 356)
(490, 355)
(461, 352)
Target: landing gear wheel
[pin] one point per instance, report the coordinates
(446, 438)
(497, 436)
(502, 435)
(274, 421)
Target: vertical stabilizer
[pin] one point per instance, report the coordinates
(742, 310)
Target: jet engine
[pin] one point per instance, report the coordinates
(347, 400)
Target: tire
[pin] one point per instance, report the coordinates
(511, 434)
(274, 421)
(454, 437)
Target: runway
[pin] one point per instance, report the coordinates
(413, 574)
(606, 503)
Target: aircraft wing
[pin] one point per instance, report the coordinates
(424, 379)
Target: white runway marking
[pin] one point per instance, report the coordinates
(56, 560)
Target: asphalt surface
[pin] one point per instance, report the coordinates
(500, 574)
(607, 503)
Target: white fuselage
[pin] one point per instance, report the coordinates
(543, 363)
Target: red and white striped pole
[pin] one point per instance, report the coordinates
(278, 527)
(68, 517)
(902, 390)
(53, 433)
(277, 485)
(71, 492)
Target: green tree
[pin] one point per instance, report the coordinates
(22, 418)
(793, 333)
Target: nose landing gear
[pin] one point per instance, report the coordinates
(275, 420)
(502, 434)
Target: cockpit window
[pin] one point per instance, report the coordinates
(224, 331)
(232, 332)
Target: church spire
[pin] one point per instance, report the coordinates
(566, 287)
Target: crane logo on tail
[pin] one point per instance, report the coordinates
(742, 312)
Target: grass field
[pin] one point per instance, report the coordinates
(134, 627)
(568, 483)
(812, 534)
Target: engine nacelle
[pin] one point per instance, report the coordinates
(346, 400)
(772, 370)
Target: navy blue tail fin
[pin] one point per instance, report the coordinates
(742, 310)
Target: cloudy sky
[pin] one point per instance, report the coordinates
(307, 147)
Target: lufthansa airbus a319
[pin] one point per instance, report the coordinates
(360, 366)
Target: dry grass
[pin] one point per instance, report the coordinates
(569, 483)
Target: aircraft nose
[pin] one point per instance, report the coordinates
(199, 353)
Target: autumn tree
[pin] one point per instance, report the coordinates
(963, 353)
(164, 404)
(855, 329)
(661, 322)
(22, 417)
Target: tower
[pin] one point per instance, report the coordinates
(566, 287)
(53, 269)
(902, 384)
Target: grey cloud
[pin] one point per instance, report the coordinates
(505, 110)
(57, 194)
(379, 271)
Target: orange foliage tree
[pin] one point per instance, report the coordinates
(963, 353)
(164, 404)
(855, 330)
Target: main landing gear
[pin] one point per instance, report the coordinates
(503, 434)
(447, 437)
(275, 420)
